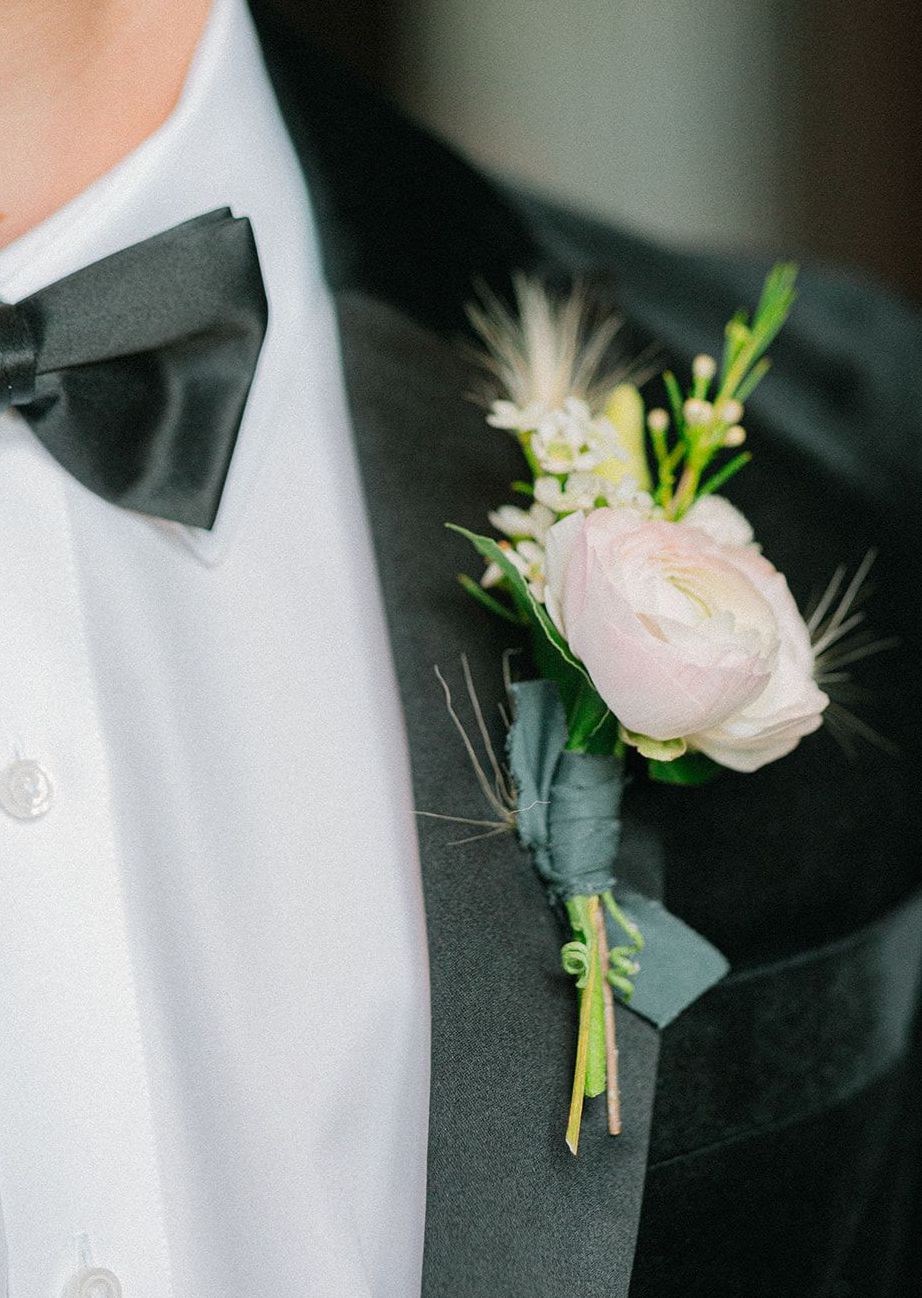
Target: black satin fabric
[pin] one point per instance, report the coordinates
(134, 371)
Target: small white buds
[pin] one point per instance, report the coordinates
(698, 412)
(735, 436)
(657, 420)
(730, 412)
(704, 368)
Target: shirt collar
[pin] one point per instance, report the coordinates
(224, 144)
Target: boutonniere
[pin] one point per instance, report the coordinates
(663, 637)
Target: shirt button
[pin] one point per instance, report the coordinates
(94, 1282)
(25, 789)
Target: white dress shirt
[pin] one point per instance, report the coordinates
(213, 978)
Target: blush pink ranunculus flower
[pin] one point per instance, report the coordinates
(684, 635)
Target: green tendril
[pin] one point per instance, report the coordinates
(575, 957)
(623, 966)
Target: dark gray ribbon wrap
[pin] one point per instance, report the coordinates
(568, 803)
(568, 817)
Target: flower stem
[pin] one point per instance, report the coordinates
(582, 1042)
(612, 1088)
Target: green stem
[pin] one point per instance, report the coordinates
(685, 493)
(618, 915)
(525, 443)
(612, 1088)
(587, 998)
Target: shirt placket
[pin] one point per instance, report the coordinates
(78, 1160)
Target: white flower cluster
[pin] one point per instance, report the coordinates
(527, 529)
(563, 440)
(590, 491)
(568, 444)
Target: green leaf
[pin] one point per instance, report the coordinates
(736, 335)
(490, 550)
(749, 385)
(746, 347)
(476, 591)
(691, 769)
(717, 480)
(778, 294)
(674, 392)
(593, 721)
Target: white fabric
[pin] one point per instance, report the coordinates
(213, 976)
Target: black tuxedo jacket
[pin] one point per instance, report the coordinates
(775, 1151)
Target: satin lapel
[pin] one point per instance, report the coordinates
(509, 1210)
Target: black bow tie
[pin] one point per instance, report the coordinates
(134, 372)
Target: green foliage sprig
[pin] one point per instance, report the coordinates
(702, 423)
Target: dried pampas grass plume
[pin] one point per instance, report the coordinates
(548, 349)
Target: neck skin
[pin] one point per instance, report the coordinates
(82, 84)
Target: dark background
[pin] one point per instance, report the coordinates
(854, 180)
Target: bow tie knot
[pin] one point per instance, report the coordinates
(18, 358)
